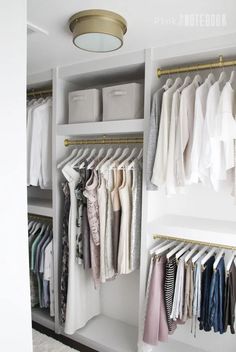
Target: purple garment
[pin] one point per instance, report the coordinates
(155, 327)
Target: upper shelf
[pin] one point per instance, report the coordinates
(193, 228)
(40, 207)
(134, 126)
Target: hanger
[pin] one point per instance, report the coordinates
(126, 161)
(197, 79)
(107, 156)
(182, 251)
(91, 155)
(210, 78)
(160, 243)
(178, 82)
(174, 250)
(230, 261)
(206, 257)
(110, 160)
(168, 84)
(186, 83)
(189, 255)
(64, 161)
(97, 159)
(222, 78)
(131, 165)
(165, 248)
(232, 79)
(77, 159)
(199, 254)
(218, 258)
(126, 151)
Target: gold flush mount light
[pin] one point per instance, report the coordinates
(98, 30)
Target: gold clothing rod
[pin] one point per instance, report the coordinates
(39, 217)
(39, 92)
(138, 140)
(197, 67)
(172, 238)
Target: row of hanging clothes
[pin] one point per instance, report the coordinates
(192, 133)
(39, 142)
(101, 226)
(40, 240)
(189, 281)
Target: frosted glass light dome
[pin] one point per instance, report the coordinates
(98, 30)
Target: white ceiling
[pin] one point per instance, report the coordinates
(151, 23)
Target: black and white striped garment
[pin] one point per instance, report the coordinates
(169, 289)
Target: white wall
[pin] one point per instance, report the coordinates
(15, 316)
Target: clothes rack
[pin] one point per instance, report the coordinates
(39, 217)
(104, 140)
(197, 67)
(202, 243)
(33, 92)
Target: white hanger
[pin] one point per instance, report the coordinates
(178, 82)
(160, 243)
(189, 255)
(126, 151)
(165, 248)
(199, 254)
(187, 81)
(218, 258)
(174, 250)
(110, 160)
(232, 79)
(168, 84)
(98, 157)
(79, 153)
(107, 156)
(211, 78)
(91, 155)
(231, 259)
(131, 165)
(222, 78)
(207, 256)
(182, 251)
(197, 79)
(81, 157)
(126, 161)
(64, 161)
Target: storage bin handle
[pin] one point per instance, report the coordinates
(118, 92)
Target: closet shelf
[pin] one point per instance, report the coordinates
(134, 126)
(193, 228)
(40, 206)
(108, 335)
(42, 317)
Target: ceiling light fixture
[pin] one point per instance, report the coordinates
(98, 30)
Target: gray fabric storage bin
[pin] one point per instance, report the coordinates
(123, 102)
(85, 106)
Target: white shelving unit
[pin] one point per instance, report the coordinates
(200, 214)
(40, 207)
(133, 126)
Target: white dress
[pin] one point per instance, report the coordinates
(125, 224)
(83, 301)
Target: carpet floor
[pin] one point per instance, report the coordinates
(43, 343)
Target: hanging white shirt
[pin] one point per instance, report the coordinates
(40, 156)
(171, 164)
(160, 162)
(199, 117)
(184, 134)
(226, 123)
(212, 161)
